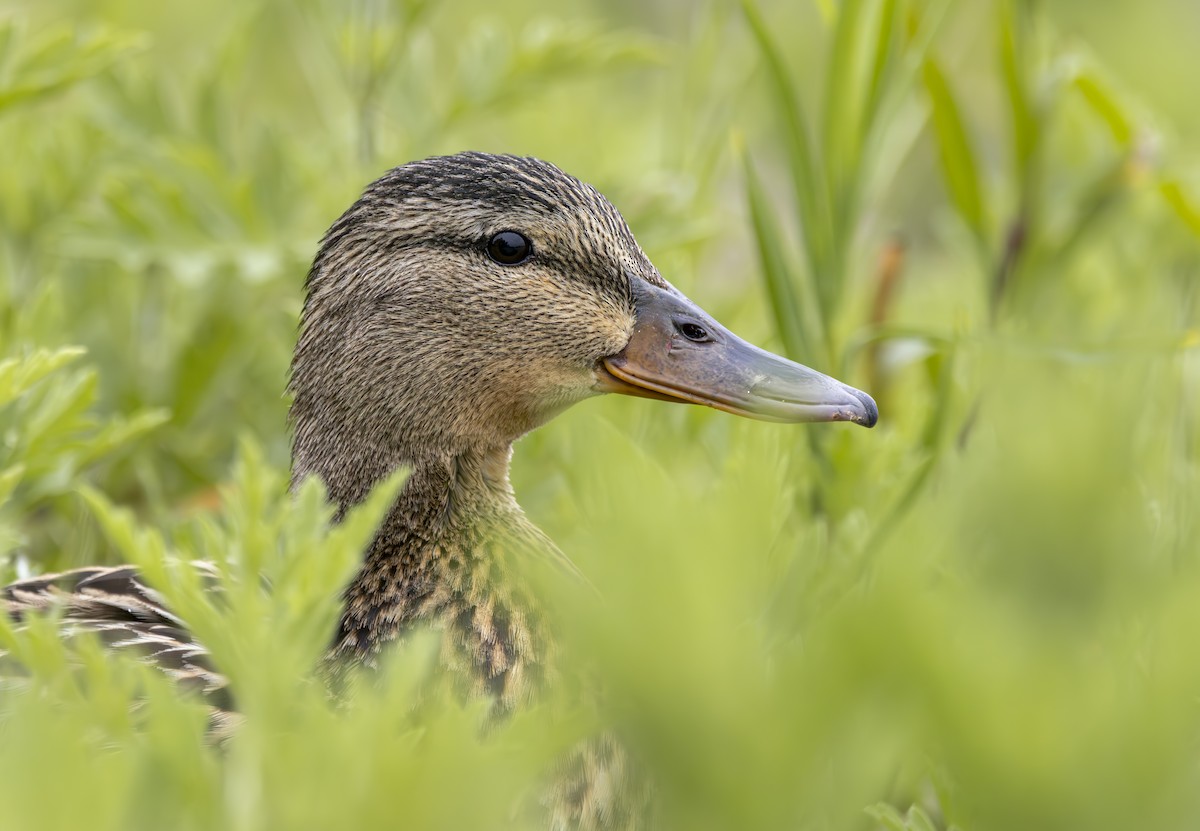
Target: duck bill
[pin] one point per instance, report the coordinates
(678, 353)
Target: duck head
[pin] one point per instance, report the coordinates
(464, 300)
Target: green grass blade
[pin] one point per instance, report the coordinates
(1184, 207)
(798, 340)
(844, 95)
(1103, 102)
(1013, 64)
(10, 477)
(954, 152)
(807, 181)
(881, 60)
(846, 89)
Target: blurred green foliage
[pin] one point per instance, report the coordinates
(980, 615)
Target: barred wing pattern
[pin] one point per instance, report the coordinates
(126, 615)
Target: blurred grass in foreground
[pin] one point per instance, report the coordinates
(980, 615)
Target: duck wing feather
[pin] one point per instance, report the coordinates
(116, 606)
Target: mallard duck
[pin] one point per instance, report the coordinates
(460, 303)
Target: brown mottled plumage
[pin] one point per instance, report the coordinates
(418, 350)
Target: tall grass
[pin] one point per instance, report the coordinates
(980, 615)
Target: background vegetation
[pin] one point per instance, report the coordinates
(983, 614)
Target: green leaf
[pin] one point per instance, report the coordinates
(918, 820)
(1183, 206)
(885, 37)
(954, 152)
(10, 477)
(1014, 62)
(59, 60)
(845, 88)
(18, 375)
(808, 182)
(56, 418)
(1100, 97)
(914, 820)
(887, 816)
(802, 334)
(121, 431)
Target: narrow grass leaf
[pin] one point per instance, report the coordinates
(954, 152)
(10, 477)
(1103, 102)
(1183, 206)
(847, 88)
(882, 58)
(1013, 64)
(843, 96)
(798, 340)
(807, 181)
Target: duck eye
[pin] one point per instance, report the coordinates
(693, 332)
(509, 248)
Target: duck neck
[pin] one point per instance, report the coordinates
(434, 552)
(448, 493)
